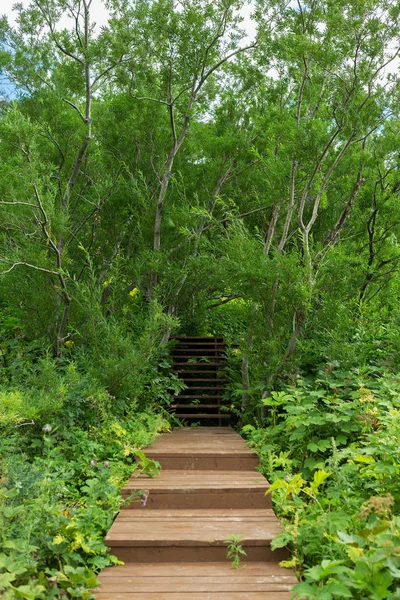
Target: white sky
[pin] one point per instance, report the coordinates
(98, 10)
(100, 14)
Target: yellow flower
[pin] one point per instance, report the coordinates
(133, 292)
(69, 343)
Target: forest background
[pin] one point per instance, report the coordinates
(170, 173)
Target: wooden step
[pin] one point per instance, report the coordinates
(193, 338)
(194, 406)
(197, 350)
(217, 448)
(179, 551)
(198, 396)
(203, 416)
(193, 535)
(182, 343)
(197, 388)
(204, 489)
(197, 372)
(198, 364)
(195, 380)
(202, 363)
(195, 581)
(200, 355)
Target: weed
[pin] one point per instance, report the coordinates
(235, 549)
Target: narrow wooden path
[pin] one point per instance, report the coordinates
(200, 362)
(174, 548)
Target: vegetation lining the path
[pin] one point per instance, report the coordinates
(60, 494)
(331, 449)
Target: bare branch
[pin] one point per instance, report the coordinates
(224, 301)
(75, 108)
(246, 214)
(148, 98)
(25, 264)
(107, 70)
(325, 181)
(220, 33)
(18, 204)
(221, 62)
(312, 176)
(271, 228)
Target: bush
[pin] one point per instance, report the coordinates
(331, 450)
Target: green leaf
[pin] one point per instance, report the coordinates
(281, 540)
(319, 478)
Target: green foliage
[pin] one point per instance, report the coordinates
(147, 466)
(331, 450)
(274, 171)
(60, 493)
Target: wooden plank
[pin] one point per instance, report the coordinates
(200, 584)
(206, 476)
(175, 480)
(194, 406)
(211, 349)
(115, 595)
(190, 380)
(197, 372)
(206, 532)
(197, 337)
(215, 569)
(199, 364)
(199, 514)
(203, 416)
(199, 396)
(189, 554)
(202, 452)
(198, 388)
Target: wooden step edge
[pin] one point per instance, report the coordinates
(183, 362)
(208, 348)
(206, 345)
(199, 364)
(203, 416)
(200, 351)
(194, 406)
(247, 569)
(197, 337)
(204, 379)
(204, 356)
(197, 372)
(198, 396)
(204, 387)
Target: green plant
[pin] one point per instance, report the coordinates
(235, 549)
(147, 466)
(60, 493)
(331, 451)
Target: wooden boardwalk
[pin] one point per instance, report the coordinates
(175, 547)
(200, 362)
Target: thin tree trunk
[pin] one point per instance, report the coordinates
(271, 228)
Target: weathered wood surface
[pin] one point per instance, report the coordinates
(175, 547)
(200, 361)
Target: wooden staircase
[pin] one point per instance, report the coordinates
(174, 548)
(200, 362)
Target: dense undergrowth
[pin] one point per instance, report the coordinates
(67, 445)
(60, 494)
(330, 447)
